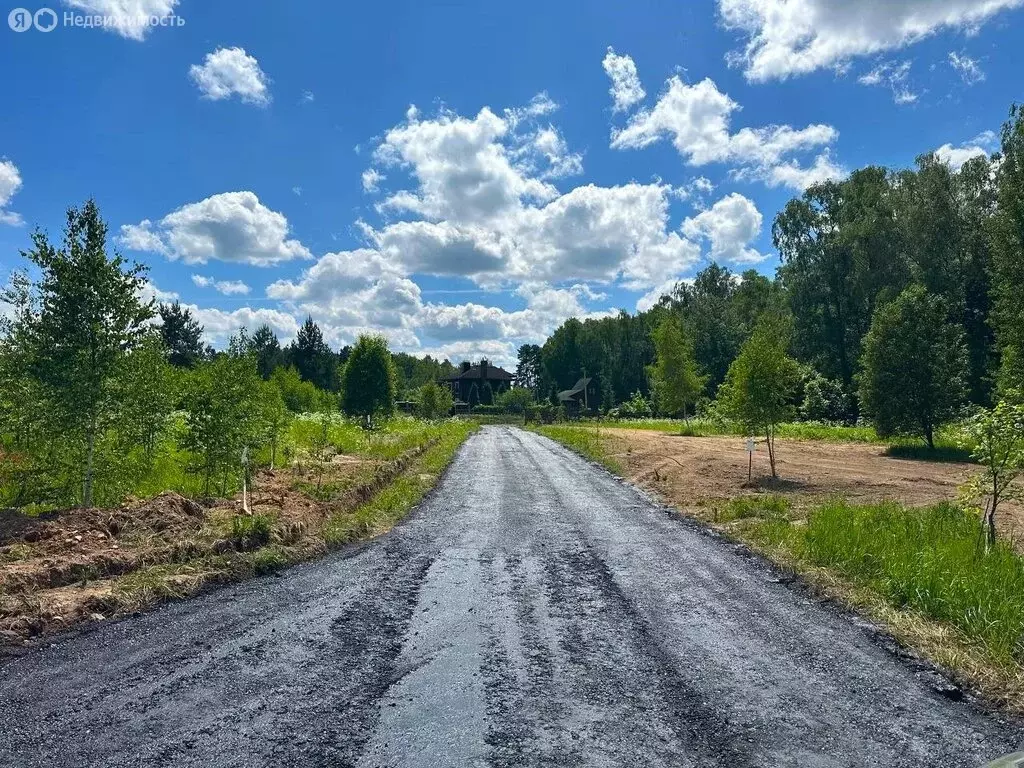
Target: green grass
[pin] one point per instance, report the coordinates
(931, 560)
(585, 440)
(714, 428)
(388, 441)
(396, 499)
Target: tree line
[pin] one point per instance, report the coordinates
(898, 300)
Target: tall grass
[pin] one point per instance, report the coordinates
(932, 560)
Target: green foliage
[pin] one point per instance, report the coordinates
(251, 531)
(530, 368)
(931, 560)
(636, 407)
(222, 416)
(267, 350)
(515, 400)
(997, 440)
(73, 328)
(299, 396)
(1007, 237)
(914, 367)
(676, 379)
(759, 387)
(824, 400)
(182, 335)
(369, 379)
(413, 373)
(313, 359)
(435, 400)
(146, 387)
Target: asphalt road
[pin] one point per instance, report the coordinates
(534, 611)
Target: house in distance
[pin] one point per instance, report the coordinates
(479, 384)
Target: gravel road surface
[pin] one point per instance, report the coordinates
(534, 611)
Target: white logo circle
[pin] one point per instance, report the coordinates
(45, 19)
(20, 20)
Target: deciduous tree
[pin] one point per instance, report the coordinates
(914, 367)
(369, 380)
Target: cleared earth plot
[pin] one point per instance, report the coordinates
(533, 611)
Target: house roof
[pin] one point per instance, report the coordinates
(577, 389)
(494, 373)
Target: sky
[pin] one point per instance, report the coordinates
(463, 177)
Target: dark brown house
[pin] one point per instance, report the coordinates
(479, 384)
(581, 398)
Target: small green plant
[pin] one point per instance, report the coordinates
(770, 507)
(997, 439)
(268, 560)
(251, 531)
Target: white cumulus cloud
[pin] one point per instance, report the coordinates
(232, 226)
(227, 287)
(626, 89)
(794, 37)
(730, 225)
(696, 118)
(10, 183)
(980, 146)
(231, 72)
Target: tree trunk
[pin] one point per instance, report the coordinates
(990, 518)
(770, 439)
(89, 455)
(929, 436)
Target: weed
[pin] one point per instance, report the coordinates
(251, 531)
(770, 507)
(268, 560)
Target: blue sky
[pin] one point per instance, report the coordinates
(275, 150)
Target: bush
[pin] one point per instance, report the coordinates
(299, 396)
(637, 407)
(515, 400)
(435, 401)
(824, 400)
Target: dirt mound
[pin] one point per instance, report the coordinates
(166, 515)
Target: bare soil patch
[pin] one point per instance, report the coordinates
(698, 472)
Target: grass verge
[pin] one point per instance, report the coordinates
(922, 573)
(379, 514)
(586, 441)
